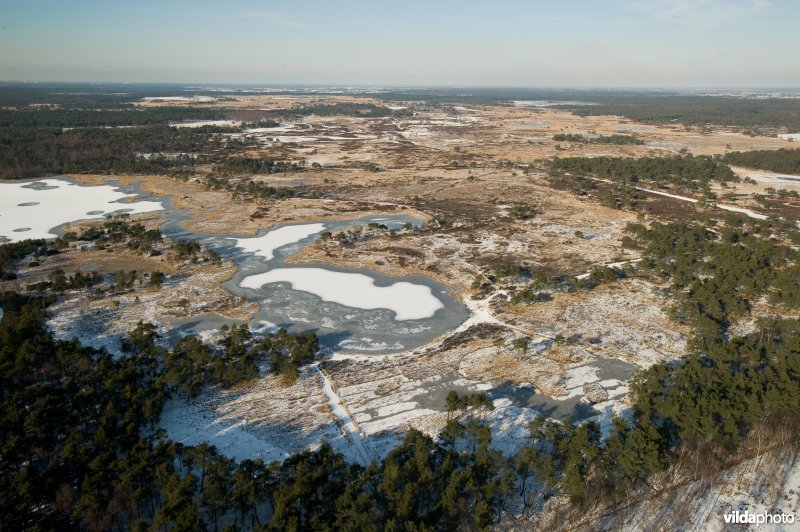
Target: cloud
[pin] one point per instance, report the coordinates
(272, 17)
(280, 19)
(698, 14)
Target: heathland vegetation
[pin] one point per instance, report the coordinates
(100, 463)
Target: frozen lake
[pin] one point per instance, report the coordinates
(408, 301)
(32, 209)
(350, 310)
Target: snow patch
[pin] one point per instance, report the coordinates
(265, 246)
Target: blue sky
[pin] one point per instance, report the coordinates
(622, 43)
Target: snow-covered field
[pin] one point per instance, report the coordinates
(179, 99)
(547, 103)
(772, 178)
(33, 209)
(201, 123)
(409, 301)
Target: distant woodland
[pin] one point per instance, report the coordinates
(601, 139)
(30, 152)
(780, 161)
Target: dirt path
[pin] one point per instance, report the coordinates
(731, 208)
(346, 422)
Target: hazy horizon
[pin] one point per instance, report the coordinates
(211, 86)
(648, 44)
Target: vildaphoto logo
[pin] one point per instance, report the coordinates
(764, 518)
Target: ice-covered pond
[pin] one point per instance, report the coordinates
(33, 209)
(351, 310)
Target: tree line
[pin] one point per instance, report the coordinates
(83, 118)
(30, 152)
(600, 139)
(750, 114)
(780, 161)
(687, 172)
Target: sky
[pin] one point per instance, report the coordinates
(512, 43)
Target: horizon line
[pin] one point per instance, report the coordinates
(344, 85)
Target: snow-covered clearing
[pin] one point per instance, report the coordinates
(547, 103)
(193, 426)
(179, 99)
(202, 123)
(771, 177)
(266, 419)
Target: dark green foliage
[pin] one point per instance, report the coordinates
(59, 282)
(716, 276)
(80, 118)
(716, 396)
(250, 166)
(69, 416)
(264, 122)
(186, 249)
(539, 287)
(157, 279)
(601, 139)
(529, 295)
(262, 191)
(478, 401)
(288, 353)
(10, 253)
(684, 171)
(690, 110)
(190, 365)
(780, 161)
(621, 196)
(119, 230)
(29, 152)
(507, 269)
(600, 275)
